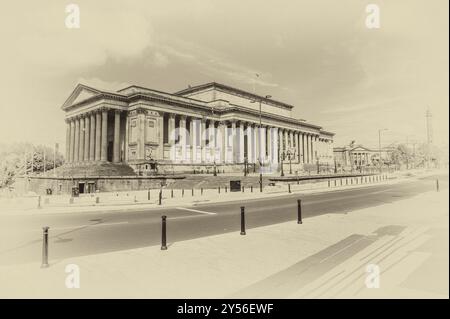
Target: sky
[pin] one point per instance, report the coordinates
(316, 55)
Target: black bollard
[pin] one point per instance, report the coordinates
(243, 189)
(299, 211)
(182, 192)
(289, 188)
(260, 183)
(437, 185)
(160, 197)
(44, 247)
(328, 183)
(192, 192)
(201, 191)
(163, 233)
(226, 189)
(148, 195)
(218, 189)
(171, 193)
(242, 220)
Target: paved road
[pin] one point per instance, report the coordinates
(78, 234)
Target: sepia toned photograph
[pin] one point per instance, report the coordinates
(224, 154)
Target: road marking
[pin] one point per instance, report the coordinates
(195, 210)
(80, 226)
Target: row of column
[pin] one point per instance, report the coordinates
(264, 143)
(87, 137)
(360, 158)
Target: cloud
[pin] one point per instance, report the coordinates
(42, 40)
(100, 84)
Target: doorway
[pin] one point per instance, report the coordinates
(81, 188)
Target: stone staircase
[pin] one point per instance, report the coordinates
(103, 170)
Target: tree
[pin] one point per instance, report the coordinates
(25, 158)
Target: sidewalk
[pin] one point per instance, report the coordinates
(324, 257)
(119, 201)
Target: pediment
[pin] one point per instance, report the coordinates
(80, 94)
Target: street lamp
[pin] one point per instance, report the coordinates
(281, 159)
(260, 138)
(379, 145)
(290, 162)
(245, 166)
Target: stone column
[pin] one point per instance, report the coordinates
(233, 142)
(67, 141)
(72, 141)
(81, 150)
(291, 139)
(182, 133)
(212, 140)
(249, 143)
(257, 143)
(104, 142)
(286, 141)
(77, 140)
(280, 141)
(269, 144)
(192, 139)
(240, 138)
(307, 149)
(160, 136)
(171, 131)
(116, 142)
(304, 149)
(127, 138)
(87, 133)
(275, 145)
(92, 139)
(98, 135)
(262, 134)
(203, 138)
(223, 131)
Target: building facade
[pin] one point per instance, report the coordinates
(357, 156)
(209, 123)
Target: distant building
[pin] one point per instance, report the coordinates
(357, 155)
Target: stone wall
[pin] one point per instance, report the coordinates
(39, 185)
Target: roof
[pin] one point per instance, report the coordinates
(84, 94)
(230, 89)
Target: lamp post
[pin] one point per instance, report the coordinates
(260, 137)
(282, 169)
(290, 161)
(245, 166)
(379, 145)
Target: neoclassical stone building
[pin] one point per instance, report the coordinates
(200, 125)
